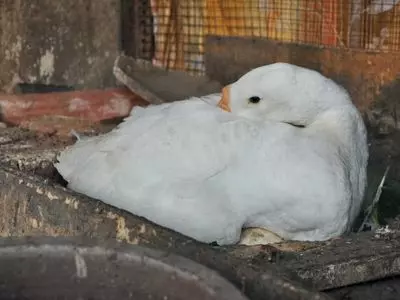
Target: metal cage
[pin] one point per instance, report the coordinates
(171, 33)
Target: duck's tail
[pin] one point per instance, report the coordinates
(72, 159)
(75, 134)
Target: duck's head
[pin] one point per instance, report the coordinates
(284, 93)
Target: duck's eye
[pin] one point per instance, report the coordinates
(254, 99)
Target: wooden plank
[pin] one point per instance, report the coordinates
(354, 259)
(157, 85)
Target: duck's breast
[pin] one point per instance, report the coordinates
(294, 185)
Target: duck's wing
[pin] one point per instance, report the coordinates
(293, 183)
(156, 164)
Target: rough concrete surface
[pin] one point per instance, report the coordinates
(71, 43)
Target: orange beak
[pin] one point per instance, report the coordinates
(225, 101)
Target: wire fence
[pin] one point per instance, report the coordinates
(178, 28)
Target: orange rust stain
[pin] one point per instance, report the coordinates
(93, 105)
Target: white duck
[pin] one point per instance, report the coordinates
(287, 153)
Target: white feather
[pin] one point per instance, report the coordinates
(206, 173)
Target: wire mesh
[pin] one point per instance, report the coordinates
(178, 28)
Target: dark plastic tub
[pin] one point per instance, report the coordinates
(60, 269)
